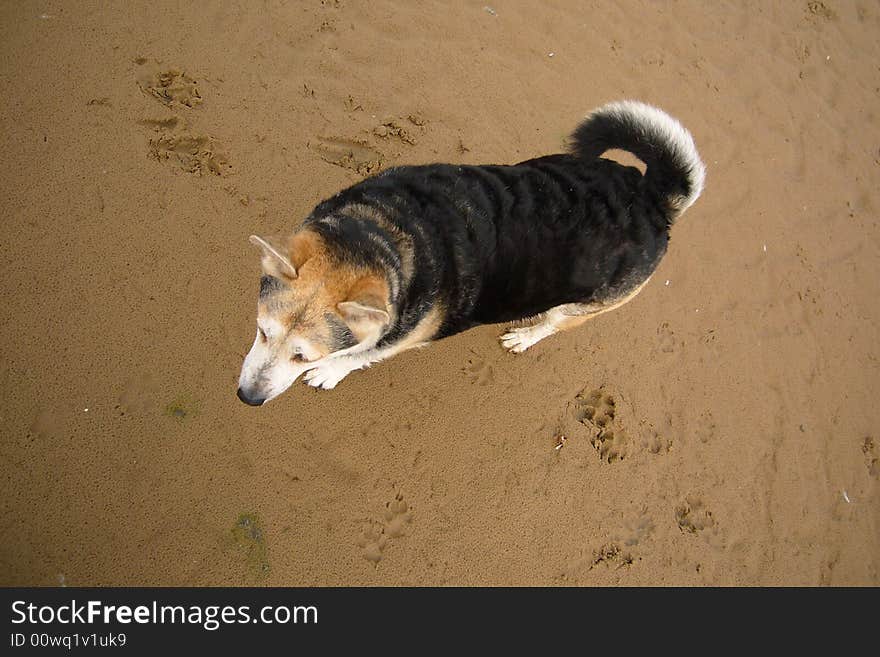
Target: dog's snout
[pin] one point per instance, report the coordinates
(251, 400)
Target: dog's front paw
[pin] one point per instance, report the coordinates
(327, 375)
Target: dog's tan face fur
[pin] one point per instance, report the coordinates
(311, 308)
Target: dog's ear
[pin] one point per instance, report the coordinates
(276, 257)
(366, 308)
(282, 257)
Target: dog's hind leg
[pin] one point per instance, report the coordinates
(561, 318)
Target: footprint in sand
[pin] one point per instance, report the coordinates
(593, 417)
(706, 427)
(666, 338)
(197, 154)
(598, 409)
(373, 541)
(608, 556)
(693, 517)
(611, 444)
(397, 516)
(175, 144)
(871, 460)
(612, 556)
(164, 124)
(479, 372)
(658, 443)
(657, 439)
(638, 530)
(375, 536)
(172, 88)
(817, 11)
(356, 155)
(404, 130)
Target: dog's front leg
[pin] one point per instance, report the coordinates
(331, 371)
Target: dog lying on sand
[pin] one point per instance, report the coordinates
(418, 253)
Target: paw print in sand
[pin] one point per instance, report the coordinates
(871, 460)
(693, 516)
(599, 409)
(375, 537)
(397, 516)
(172, 88)
(372, 542)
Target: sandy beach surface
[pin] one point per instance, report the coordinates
(721, 429)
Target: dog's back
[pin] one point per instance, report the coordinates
(500, 243)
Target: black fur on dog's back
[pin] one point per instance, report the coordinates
(500, 243)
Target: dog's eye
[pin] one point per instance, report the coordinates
(262, 334)
(298, 358)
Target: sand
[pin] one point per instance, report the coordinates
(720, 429)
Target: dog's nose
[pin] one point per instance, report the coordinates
(247, 399)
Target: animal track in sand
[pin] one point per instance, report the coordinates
(397, 516)
(871, 460)
(639, 530)
(172, 88)
(819, 10)
(611, 445)
(612, 556)
(198, 154)
(657, 438)
(658, 443)
(351, 104)
(479, 372)
(194, 153)
(666, 338)
(802, 51)
(163, 124)
(375, 536)
(356, 155)
(811, 299)
(599, 409)
(692, 516)
(373, 542)
(706, 427)
(403, 129)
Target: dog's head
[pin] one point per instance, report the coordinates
(313, 305)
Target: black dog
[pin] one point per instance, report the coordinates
(418, 253)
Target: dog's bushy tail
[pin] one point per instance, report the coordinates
(674, 169)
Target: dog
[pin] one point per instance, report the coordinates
(418, 253)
